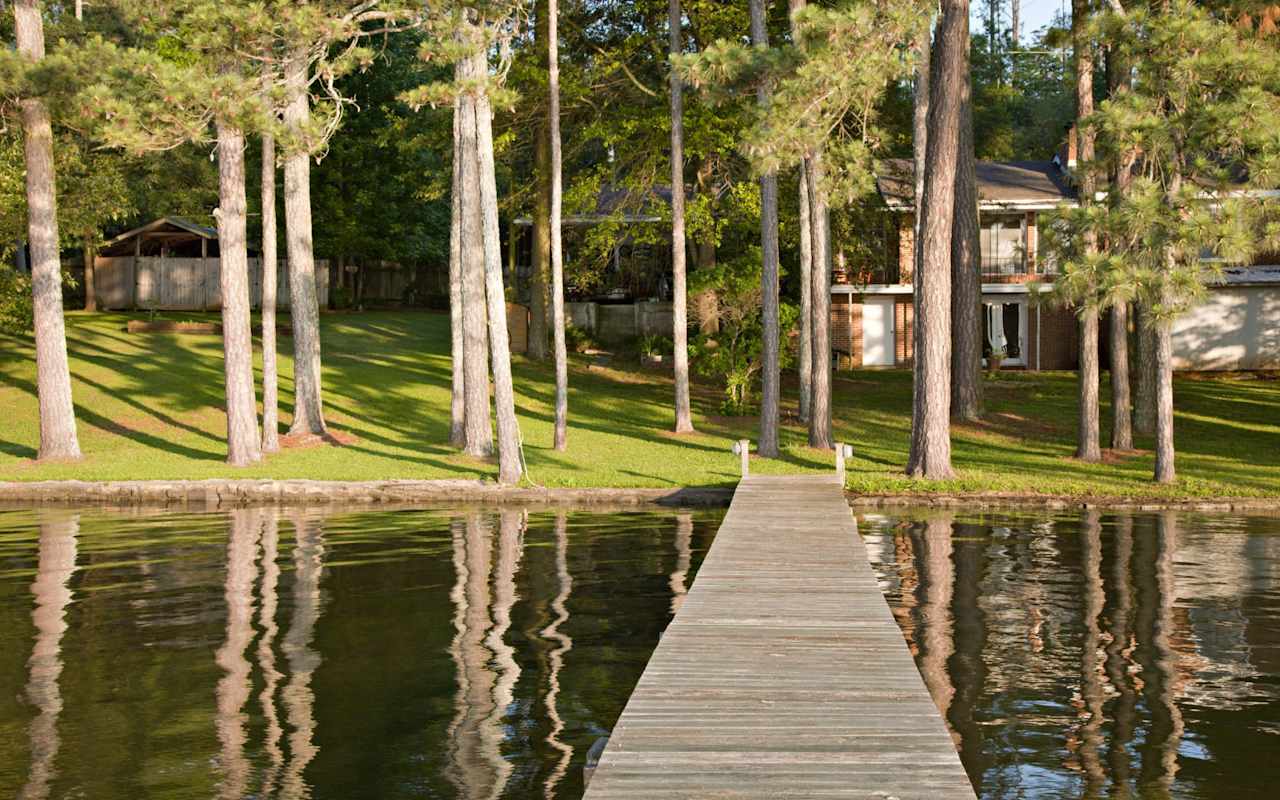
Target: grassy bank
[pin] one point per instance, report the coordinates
(149, 406)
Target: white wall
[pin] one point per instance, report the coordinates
(1234, 328)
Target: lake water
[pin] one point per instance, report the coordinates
(293, 654)
(1095, 655)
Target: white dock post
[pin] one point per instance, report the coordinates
(843, 451)
(742, 448)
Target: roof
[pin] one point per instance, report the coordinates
(171, 228)
(615, 201)
(1249, 276)
(1026, 185)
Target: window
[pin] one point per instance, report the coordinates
(1003, 328)
(1003, 241)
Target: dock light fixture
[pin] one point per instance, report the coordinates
(742, 449)
(843, 451)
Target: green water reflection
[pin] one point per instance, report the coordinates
(293, 654)
(1095, 655)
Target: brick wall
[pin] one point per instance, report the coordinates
(906, 247)
(1059, 340)
(846, 330)
(903, 334)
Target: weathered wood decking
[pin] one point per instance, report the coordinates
(783, 674)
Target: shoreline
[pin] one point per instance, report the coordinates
(235, 493)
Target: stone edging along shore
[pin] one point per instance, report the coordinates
(234, 493)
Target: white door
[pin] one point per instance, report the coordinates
(877, 332)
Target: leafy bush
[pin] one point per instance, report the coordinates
(729, 346)
(578, 340)
(651, 345)
(341, 297)
(16, 312)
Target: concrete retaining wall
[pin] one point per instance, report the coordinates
(613, 323)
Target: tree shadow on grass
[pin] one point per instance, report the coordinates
(111, 426)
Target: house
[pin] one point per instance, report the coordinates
(1235, 327)
(173, 264)
(872, 323)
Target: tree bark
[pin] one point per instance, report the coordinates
(90, 290)
(308, 410)
(1121, 399)
(1165, 471)
(966, 279)
(270, 267)
(919, 143)
(804, 368)
(768, 444)
(475, 318)
(820, 289)
(542, 204)
(680, 293)
(1144, 410)
(53, 374)
(1088, 436)
(930, 455)
(457, 338)
(243, 447)
(509, 458)
(557, 246)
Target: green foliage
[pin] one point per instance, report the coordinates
(730, 344)
(1198, 125)
(578, 340)
(16, 312)
(825, 89)
(651, 345)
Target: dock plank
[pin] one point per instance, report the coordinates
(783, 674)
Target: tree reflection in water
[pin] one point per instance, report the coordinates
(52, 591)
(1091, 655)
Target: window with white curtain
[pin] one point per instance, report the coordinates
(1003, 242)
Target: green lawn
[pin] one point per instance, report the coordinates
(149, 407)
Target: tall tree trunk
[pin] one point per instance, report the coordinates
(457, 339)
(475, 317)
(542, 204)
(820, 289)
(804, 368)
(53, 374)
(1165, 471)
(1088, 439)
(1121, 401)
(1144, 406)
(557, 247)
(90, 289)
(680, 298)
(243, 445)
(966, 280)
(1121, 410)
(1162, 334)
(270, 267)
(308, 410)
(768, 444)
(930, 455)
(919, 143)
(504, 398)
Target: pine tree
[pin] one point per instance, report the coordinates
(557, 248)
(1193, 187)
(1088, 447)
(930, 455)
(53, 374)
(680, 300)
(768, 443)
(966, 279)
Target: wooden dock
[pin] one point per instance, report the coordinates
(783, 674)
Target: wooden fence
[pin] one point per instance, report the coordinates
(184, 284)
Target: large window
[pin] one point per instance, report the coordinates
(1003, 240)
(1003, 326)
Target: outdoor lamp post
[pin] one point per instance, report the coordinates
(843, 451)
(742, 448)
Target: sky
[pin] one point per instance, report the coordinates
(1035, 13)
